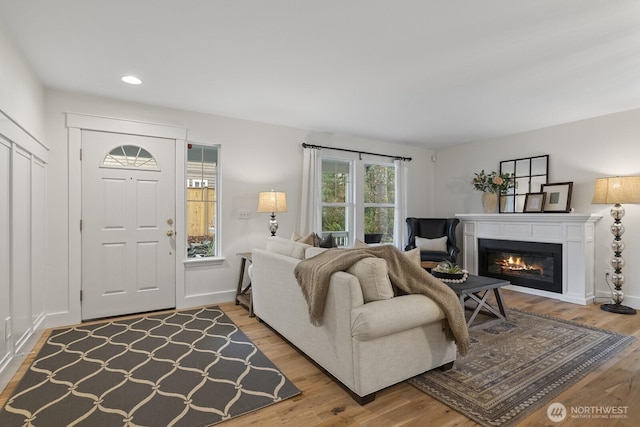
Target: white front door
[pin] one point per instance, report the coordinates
(128, 223)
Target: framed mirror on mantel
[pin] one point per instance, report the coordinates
(530, 173)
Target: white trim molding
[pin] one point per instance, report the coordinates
(76, 123)
(23, 256)
(575, 232)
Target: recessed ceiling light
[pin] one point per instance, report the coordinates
(132, 80)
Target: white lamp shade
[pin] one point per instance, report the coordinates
(272, 201)
(619, 189)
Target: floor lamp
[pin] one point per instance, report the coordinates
(272, 201)
(617, 190)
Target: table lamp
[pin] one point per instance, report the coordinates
(272, 201)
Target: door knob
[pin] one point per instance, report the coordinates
(170, 233)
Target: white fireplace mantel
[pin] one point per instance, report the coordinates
(575, 232)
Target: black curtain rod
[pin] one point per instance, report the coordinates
(305, 145)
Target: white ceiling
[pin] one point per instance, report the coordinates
(431, 72)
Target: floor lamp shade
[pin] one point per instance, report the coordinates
(272, 202)
(616, 191)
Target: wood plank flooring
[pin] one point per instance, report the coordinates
(324, 403)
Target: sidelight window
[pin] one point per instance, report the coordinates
(202, 201)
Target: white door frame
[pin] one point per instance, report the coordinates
(75, 124)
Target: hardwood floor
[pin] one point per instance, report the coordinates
(324, 403)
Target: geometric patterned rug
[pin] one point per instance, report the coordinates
(514, 368)
(187, 368)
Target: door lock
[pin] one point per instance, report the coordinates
(170, 221)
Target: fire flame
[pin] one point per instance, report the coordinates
(518, 264)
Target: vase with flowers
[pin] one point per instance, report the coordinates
(493, 185)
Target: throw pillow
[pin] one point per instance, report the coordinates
(373, 277)
(414, 255)
(309, 239)
(438, 245)
(327, 242)
(286, 247)
(359, 244)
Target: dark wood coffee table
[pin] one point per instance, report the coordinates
(477, 289)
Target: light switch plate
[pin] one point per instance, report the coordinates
(244, 214)
(7, 329)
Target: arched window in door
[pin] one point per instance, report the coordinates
(130, 157)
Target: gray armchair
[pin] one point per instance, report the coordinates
(429, 234)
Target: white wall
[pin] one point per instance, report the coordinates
(21, 93)
(253, 157)
(23, 162)
(579, 152)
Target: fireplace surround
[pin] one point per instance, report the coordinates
(571, 234)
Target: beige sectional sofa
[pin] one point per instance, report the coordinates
(367, 344)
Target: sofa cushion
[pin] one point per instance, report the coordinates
(313, 251)
(382, 318)
(286, 247)
(414, 255)
(438, 244)
(373, 277)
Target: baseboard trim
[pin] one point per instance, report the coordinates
(11, 366)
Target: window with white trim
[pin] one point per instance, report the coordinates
(379, 202)
(337, 202)
(358, 200)
(202, 201)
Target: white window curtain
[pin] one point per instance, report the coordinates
(400, 228)
(310, 220)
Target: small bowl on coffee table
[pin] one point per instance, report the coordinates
(449, 276)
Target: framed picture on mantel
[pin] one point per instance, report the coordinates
(534, 202)
(557, 196)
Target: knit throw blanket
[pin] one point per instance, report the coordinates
(314, 274)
